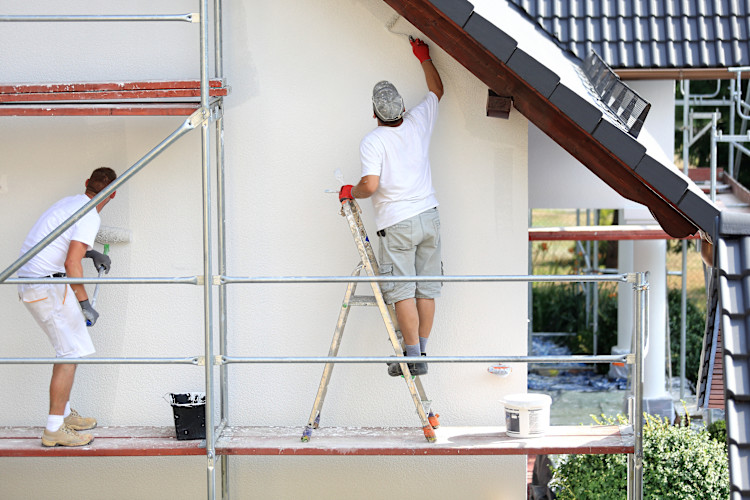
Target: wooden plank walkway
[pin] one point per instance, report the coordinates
(153, 98)
(108, 442)
(161, 441)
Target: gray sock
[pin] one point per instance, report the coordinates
(412, 350)
(423, 344)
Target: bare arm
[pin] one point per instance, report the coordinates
(366, 187)
(431, 75)
(74, 268)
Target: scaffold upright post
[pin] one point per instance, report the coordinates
(635, 464)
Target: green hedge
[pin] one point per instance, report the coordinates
(678, 463)
(562, 308)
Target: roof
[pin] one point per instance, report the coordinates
(732, 263)
(648, 34)
(505, 51)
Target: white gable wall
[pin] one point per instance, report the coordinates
(301, 75)
(558, 180)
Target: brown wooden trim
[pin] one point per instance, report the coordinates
(156, 109)
(677, 74)
(498, 77)
(600, 233)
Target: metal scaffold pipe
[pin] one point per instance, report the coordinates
(622, 278)
(433, 359)
(191, 17)
(195, 360)
(189, 124)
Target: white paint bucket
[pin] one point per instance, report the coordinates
(526, 415)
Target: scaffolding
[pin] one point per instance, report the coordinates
(222, 439)
(738, 107)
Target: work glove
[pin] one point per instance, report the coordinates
(420, 49)
(100, 260)
(346, 193)
(89, 312)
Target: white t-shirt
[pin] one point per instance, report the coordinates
(51, 259)
(400, 157)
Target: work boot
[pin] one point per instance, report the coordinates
(394, 369)
(65, 436)
(79, 423)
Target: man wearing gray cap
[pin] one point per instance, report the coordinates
(396, 174)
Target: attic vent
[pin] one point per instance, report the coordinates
(629, 108)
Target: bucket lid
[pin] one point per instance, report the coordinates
(527, 399)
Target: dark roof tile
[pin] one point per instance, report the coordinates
(663, 179)
(737, 378)
(533, 72)
(643, 33)
(740, 455)
(458, 11)
(697, 209)
(735, 338)
(585, 114)
(493, 38)
(622, 145)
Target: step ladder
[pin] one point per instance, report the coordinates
(368, 263)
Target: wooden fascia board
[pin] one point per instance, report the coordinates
(542, 113)
(677, 74)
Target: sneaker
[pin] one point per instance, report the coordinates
(394, 369)
(79, 423)
(65, 436)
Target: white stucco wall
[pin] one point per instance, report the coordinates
(558, 180)
(301, 75)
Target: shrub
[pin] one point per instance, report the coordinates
(562, 308)
(718, 431)
(678, 463)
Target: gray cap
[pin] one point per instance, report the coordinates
(388, 104)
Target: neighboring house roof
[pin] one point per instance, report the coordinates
(502, 48)
(648, 34)
(732, 266)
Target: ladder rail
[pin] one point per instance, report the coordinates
(353, 216)
(333, 351)
(368, 263)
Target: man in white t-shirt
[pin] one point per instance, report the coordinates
(61, 310)
(396, 174)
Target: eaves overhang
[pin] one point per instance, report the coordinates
(550, 97)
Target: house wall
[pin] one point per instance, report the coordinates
(558, 180)
(301, 75)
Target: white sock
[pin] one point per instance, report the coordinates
(67, 410)
(54, 422)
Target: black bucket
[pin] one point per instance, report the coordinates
(189, 415)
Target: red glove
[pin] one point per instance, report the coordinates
(346, 193)
(421, 50)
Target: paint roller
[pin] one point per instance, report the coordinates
(392, 22)
(106, 236)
